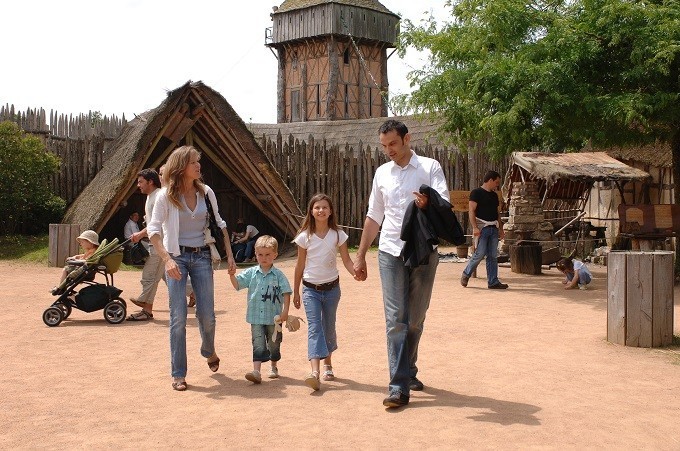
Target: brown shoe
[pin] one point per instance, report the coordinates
(192, 300)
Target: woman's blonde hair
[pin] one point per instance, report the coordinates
(173, 173)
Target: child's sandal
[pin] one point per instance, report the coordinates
(312, 381)
(328, 373)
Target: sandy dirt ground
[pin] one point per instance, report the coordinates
(529, 367)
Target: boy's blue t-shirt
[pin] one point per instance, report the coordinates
(265, 293)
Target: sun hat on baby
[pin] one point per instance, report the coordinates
(91, 236)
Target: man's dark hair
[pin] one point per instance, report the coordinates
(392, 124)
(491, 175)
(150, 175)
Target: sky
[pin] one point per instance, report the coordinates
(121, 57)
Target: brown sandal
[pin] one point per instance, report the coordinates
(214, 365)
(142, 315)
(180, 385)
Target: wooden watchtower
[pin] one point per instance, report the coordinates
(332, 58)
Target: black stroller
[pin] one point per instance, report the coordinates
(91, 296)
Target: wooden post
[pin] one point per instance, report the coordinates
(526, 258)
(62, 243)
(640, 300)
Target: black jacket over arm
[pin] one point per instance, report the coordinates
(421, 229)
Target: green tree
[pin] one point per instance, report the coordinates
(551, 75)
(27, 205)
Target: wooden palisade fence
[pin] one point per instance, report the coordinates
(342, 172)
(81, 142)
(346, 174)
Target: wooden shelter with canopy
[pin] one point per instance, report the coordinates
(564, 182)
(232, 163)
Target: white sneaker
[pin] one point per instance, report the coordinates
(273, 373)
(582, 287)
(254, 376)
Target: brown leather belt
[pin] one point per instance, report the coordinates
(322, 286)
(193, 249)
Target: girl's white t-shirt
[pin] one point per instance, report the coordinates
(321, 266)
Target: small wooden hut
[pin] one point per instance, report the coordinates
(564, 182)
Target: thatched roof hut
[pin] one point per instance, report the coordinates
(233, 164)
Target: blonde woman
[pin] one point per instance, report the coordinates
(181, 213)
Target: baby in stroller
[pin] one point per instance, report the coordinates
(89, 242)
(78, 288)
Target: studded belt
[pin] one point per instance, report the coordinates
(193, 249)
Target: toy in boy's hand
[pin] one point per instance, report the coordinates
(292, 324)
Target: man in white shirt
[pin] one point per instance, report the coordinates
(132, 226)
(406, 291)
(148, 183)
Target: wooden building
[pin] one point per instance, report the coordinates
(232, 163)
(332, 58)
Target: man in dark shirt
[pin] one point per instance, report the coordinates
(487, 229)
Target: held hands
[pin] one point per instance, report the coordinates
(360, 272)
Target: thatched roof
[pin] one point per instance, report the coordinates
(423, 132)
(290, 5)
(576, 166)
(658, 155)
(193, 113)
(567, 175)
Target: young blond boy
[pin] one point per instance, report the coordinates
(268, 295)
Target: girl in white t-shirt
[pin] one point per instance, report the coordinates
(576, 273)
(318, 242)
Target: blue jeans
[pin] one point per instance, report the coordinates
(321, 308)
(199, 267)
(264, 348)
(406, 296)
(583, 278)
(487, 245)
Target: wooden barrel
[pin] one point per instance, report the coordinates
(526, 257)
(640, 298)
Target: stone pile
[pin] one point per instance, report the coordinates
(526, 219)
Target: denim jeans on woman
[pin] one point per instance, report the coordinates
(406, 295)
(487, 245)
(321, 308)
(199, 266)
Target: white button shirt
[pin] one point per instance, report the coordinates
(392, 191)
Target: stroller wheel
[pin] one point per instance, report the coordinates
(65, 309)
(115, 312)
(52, 316)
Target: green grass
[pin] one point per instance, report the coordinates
(34, 249)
